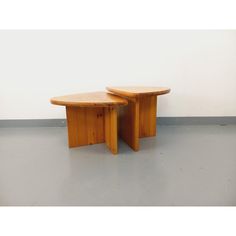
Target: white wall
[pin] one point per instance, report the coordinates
(199, 67)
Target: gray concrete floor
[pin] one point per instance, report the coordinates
(182, 166)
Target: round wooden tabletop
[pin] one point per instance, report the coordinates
(94, 99)
(138, 91)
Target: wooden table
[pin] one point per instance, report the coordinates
(138, 119)
(91, 118)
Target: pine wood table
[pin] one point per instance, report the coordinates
(91, 118)
(138, 119)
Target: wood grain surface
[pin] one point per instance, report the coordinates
(111, 129)
(85, 126)
(95, 99)
(138, 91)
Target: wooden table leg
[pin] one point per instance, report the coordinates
(111, 129)
(138, 120)
(129, 124)
(85, 126)
(147, 116)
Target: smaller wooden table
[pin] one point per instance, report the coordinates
(91, 118)
(138, 119)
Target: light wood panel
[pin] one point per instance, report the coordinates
(111, 129)
(95, 99)
(138, 91)
(147, 116)
(85, 126)
(129, 124)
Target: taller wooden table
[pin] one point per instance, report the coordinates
(91, 118)
(138, 119)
